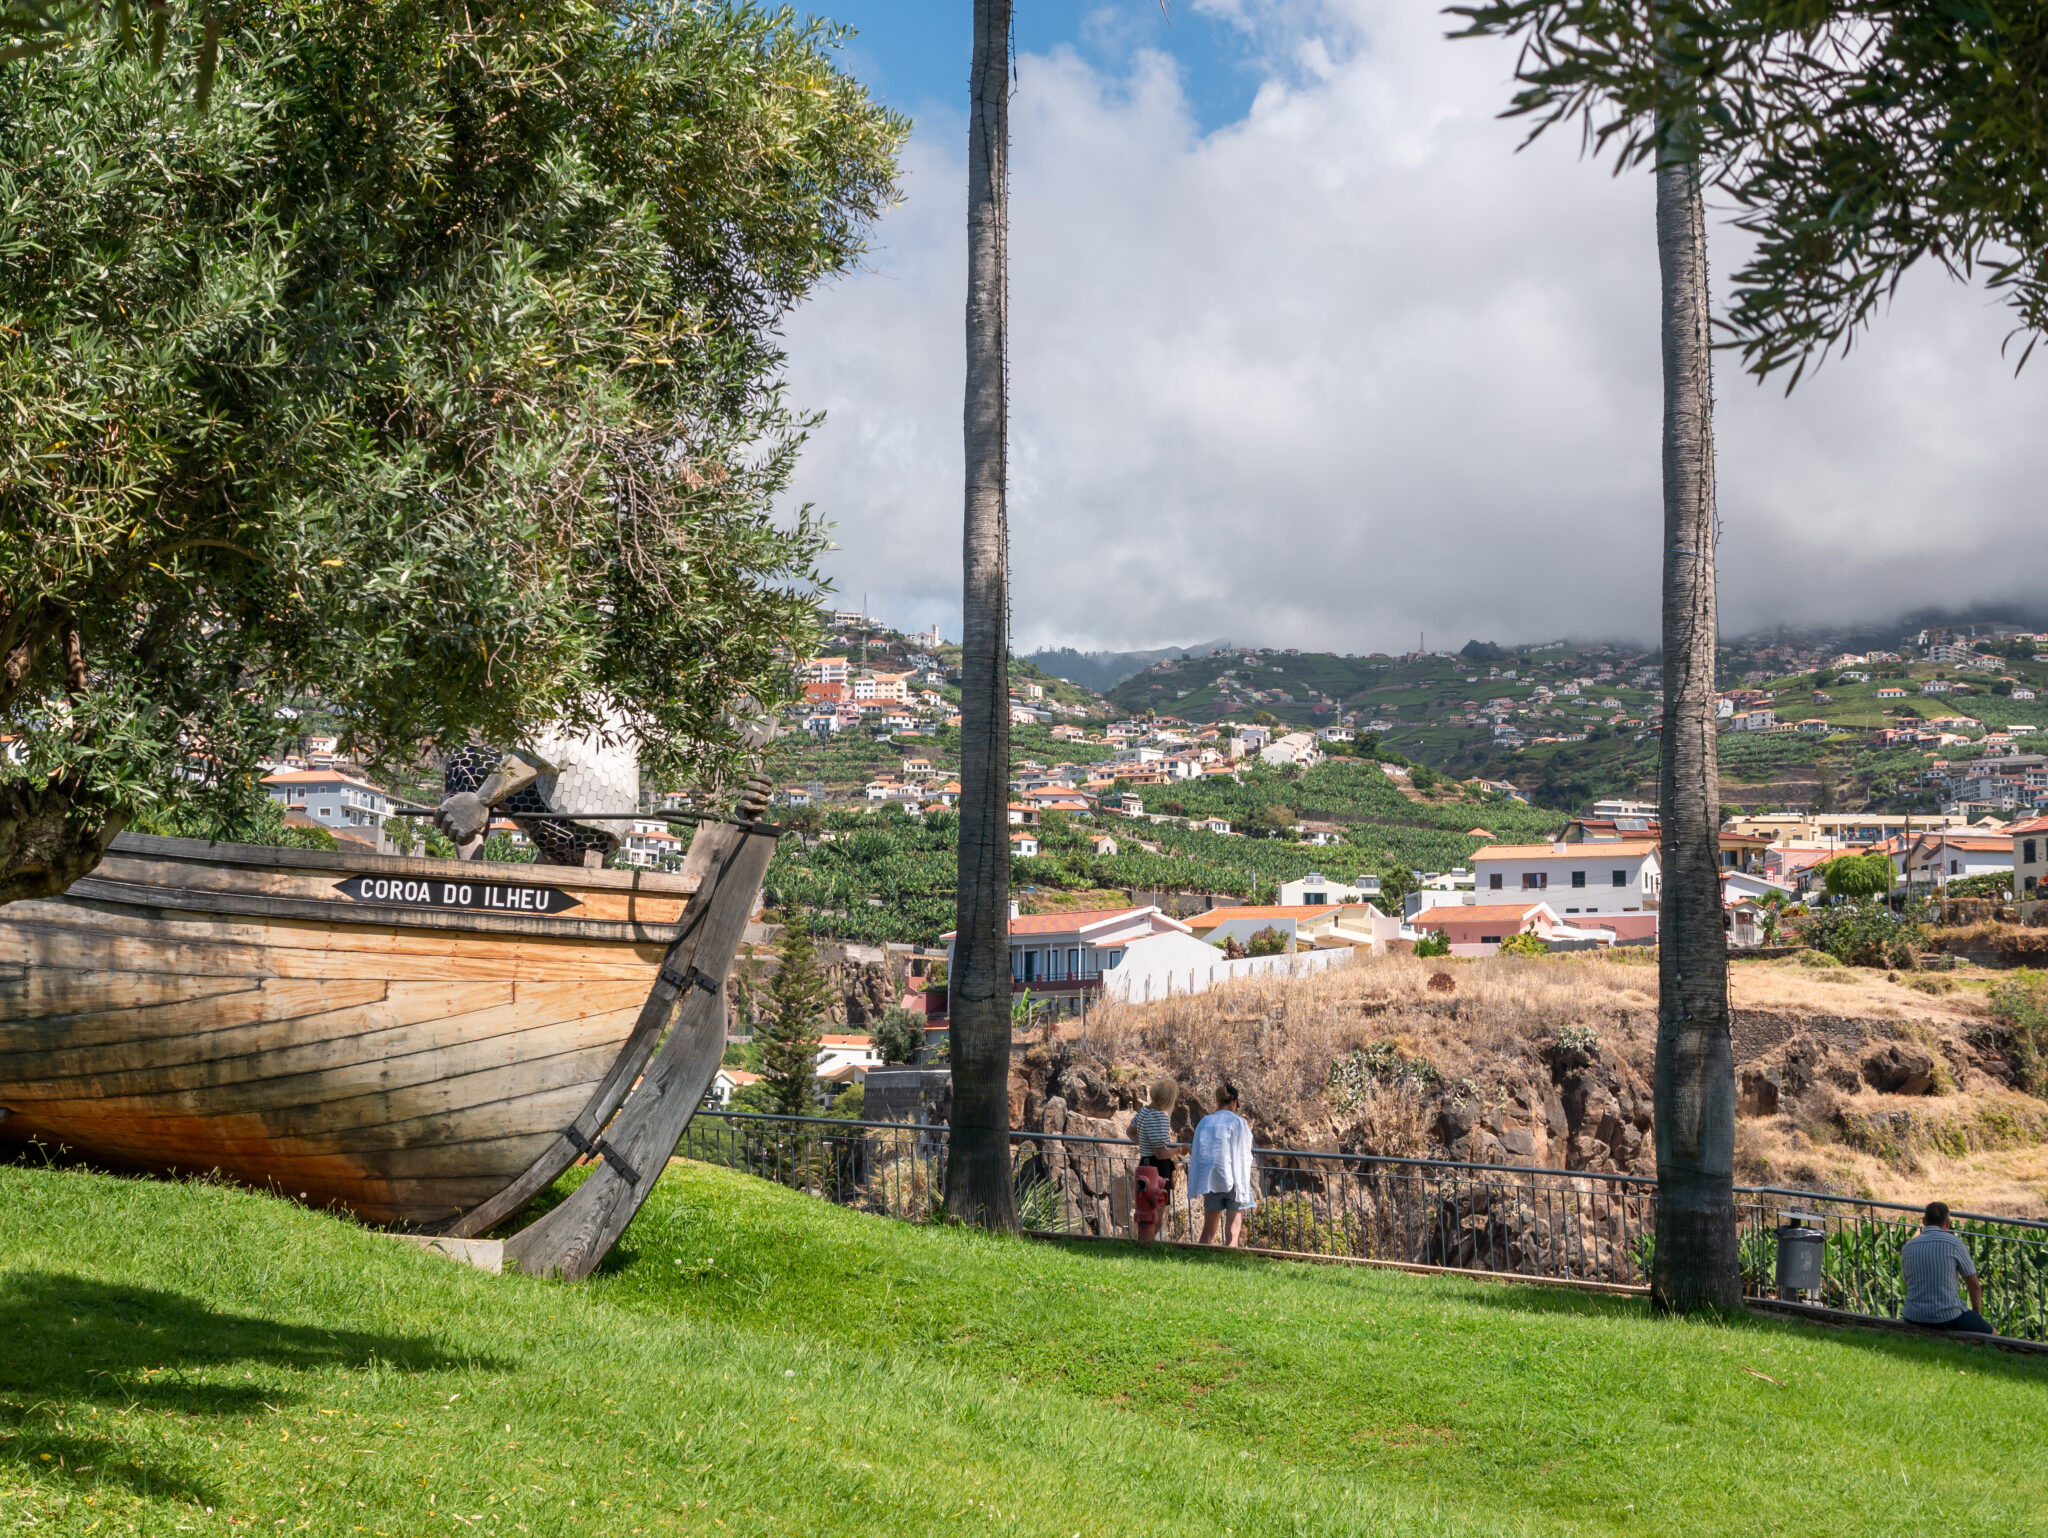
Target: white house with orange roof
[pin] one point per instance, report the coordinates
(341, 803)
(1069, 952)
(1316, 889)
(1594, 877)
(1304, 926)
(1944, 855)
(1478, 929)
(650, 846)
(726, 1081)
(846, 1051)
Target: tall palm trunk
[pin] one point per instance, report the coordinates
(1695, 1269)
(978, 1186)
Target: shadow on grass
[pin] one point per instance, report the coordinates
(1163, 1253)
(1536, 1300)
(70, 1346)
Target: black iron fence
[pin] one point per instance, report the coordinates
(1570, 1226)
(1860, 1269)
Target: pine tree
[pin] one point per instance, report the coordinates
(797, 1000)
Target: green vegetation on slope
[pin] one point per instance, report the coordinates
(1387, 825)
(846, 761)
(888, 876)
(1427, 709)
(754, 1362)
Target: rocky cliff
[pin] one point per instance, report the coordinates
(1856, 1081)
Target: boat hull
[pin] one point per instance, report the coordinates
(324, 1025)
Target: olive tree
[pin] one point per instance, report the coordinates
(430, 374)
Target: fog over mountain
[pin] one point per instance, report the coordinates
(1105, 670)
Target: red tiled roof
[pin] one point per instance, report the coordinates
(1217, 916)
(1062, 923)
(1629, 848)
(1477, 913)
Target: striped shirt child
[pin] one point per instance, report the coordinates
(1154, 1131)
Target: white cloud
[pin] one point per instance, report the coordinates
(1352, 368)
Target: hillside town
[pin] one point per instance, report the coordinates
(873, 729)
(873, 739)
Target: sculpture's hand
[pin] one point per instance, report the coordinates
(463, 816)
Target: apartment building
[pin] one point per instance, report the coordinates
(1604, 876)
(341, 803)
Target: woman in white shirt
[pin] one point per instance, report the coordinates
(1220, 1168)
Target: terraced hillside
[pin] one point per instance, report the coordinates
(888, 876)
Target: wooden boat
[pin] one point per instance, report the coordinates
(422, 1042)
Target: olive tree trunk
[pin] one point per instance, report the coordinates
(1695, 1268)
(51, 833)
(978, 1185)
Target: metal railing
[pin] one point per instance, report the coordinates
(1575, 1227)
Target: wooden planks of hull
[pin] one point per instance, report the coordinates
(406, 1065)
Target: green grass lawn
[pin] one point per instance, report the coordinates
(756, 1362)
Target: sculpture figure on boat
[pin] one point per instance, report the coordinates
(541, 785)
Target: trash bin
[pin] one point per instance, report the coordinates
(1801, 1242)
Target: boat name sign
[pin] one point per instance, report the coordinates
(412, 892)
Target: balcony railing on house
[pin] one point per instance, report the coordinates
(1092, 983)
(1570, 1227)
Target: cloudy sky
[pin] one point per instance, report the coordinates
(1305, 353)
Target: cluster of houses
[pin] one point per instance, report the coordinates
(1758, 710)
(1160, 752)
(2001, 779)
(1596, 885)
(1142, 952)
(839, 694)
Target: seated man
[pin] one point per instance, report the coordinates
(1933, 1260)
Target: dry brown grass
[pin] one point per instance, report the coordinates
(1275, 1038)
(2012, 1181)
(1788, 987)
